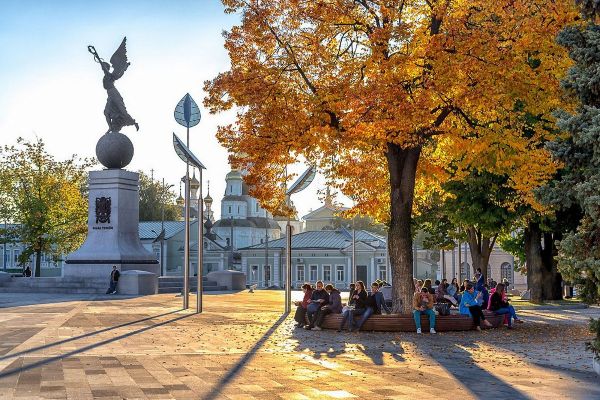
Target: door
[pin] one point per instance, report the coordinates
(361, 274)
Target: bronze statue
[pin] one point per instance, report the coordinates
(115, 112)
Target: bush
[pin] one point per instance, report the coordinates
(594, 345)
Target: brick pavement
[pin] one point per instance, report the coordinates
(241, 347)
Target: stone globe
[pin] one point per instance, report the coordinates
(114, 150)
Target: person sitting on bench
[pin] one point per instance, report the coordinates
(318, 299)
(423, 305)
(359, 297)
(441, 294)
(333, 307)
(300, 316)
(470, 304)
(499, 305)
(375, 302)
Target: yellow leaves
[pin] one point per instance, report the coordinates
(337, 80)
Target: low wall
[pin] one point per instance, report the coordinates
(233, 280)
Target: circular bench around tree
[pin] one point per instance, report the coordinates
(406, 322)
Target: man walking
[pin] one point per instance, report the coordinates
(114, 278)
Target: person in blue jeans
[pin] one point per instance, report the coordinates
(317, 300)
(358, 306)
(500, 306)
(423, 305)
(375, 302)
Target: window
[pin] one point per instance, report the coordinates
(227, 240)
(300, 273)
(229, 208)
(465, 271)
(339, 273)
(254, 273)
(506, 272)
(16, 255)
(313, 273)
(327, 273)
(256, 207)
(238, 209)
(382, 272)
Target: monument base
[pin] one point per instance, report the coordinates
(113, 236)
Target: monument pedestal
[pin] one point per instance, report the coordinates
(113, 237)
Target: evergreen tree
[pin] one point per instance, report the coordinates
(579, 152)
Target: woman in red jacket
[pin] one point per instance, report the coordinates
(300, 316)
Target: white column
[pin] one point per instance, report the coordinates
(275, 270)
(348, 277)
(373, 272)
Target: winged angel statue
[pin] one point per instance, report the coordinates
(115, 112)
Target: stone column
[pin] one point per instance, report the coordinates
(113, 236)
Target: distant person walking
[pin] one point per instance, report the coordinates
(27, 272)
(114, 278)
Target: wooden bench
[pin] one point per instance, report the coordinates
(406, 323)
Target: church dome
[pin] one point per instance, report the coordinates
(180, 200)
(208, 199)
(194, 183)
(233, 174)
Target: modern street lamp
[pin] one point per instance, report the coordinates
(302, 183)
(187, 114)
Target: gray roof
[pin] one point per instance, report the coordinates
(338, 239)
(250, 222)
(145, 229)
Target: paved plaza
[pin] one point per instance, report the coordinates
(241, 347)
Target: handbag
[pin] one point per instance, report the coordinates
(443, 308)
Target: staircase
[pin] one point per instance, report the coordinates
(174, 284)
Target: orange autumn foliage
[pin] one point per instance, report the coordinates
(334, 81)
(365, 87)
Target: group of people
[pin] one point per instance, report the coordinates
(471, 299)
(323, 300)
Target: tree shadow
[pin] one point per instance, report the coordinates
(331, 344)
(49, 360)
(110, 328)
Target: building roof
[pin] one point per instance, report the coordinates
(233, 174)
(172, 228)
(249, 222)
(338, 239)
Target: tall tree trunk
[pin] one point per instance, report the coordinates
(402, 166)
(533, 258)
(552, 279)
(481, 248)
(38, 263)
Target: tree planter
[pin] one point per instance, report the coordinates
(596, 363)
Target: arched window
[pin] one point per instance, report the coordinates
(506, 271)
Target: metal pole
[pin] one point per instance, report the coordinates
(231, 241)
(443, 264)
(163, 270)
(200, 247)
(354, 275)
(186, 245)
(460, 268)
(288, 264)
(267, 248)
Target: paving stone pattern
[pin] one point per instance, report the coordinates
(242, 347)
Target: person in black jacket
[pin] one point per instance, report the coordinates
(114, 279)
(375, 302)
(359, 307)
(500, 306)
(333, 306)
(318, 299)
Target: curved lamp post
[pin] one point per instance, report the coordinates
(301, 183)
(187, 114)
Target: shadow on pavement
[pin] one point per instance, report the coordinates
(215, 393)
(110, 328)
(49, 360)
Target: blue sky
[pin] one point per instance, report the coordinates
(50, 87)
